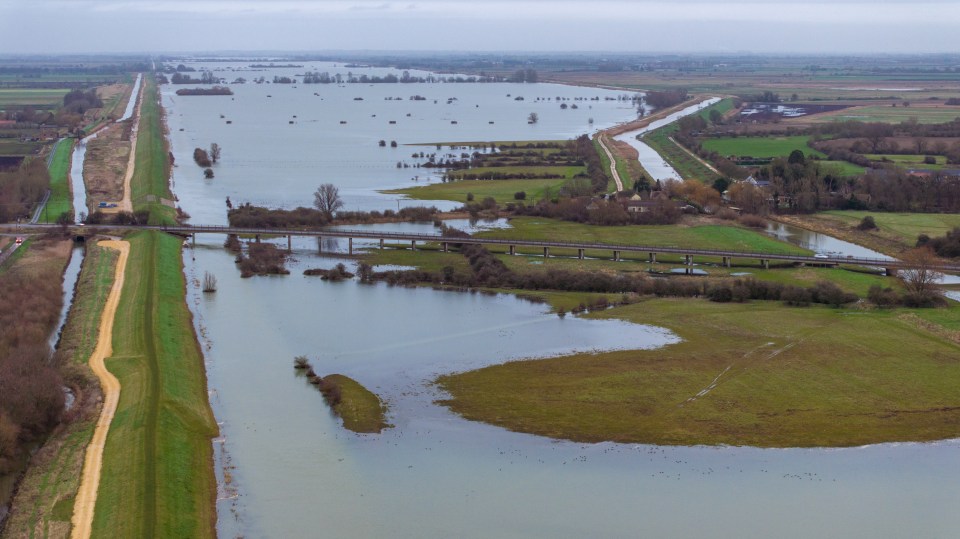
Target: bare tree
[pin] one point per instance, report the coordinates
(214, 152)
(327, 199)
(918, 273)
(533, 118)
(209, 282)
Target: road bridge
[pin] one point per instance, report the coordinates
(510, 246)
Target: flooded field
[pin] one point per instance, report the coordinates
(286, 466)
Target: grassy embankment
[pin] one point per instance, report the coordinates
(502, 191)
(157, 478)
(895, 233)
(756, 374)
(60, 199)
(44, 503)
(150, 183)
(687, 166)
(775, 146)
(707, 236)
(359, 408)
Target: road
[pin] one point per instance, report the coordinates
(613, 162)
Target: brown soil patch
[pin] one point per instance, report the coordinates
(106, 164)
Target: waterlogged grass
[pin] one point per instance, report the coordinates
(762, 147)
(157, 478)
(502, 191)
(359, 408)
(758, 374)
(60, 199)
(903, 227)
(47, 491)
(150, 181)
(698, 237)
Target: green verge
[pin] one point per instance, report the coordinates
(775, 376)
(157, 478)
(44, 504)
(359, 408)
(698, 237)
(151, 174)
(60, 199)
(902, 226)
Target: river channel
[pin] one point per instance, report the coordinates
(288, 469)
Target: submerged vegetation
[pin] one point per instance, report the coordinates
(359, 408)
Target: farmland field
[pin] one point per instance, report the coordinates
(35, 97)
(886, 114)
(760, 146)
(912, 161)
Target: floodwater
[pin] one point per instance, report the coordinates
(655, 165)
(295, 472)
(283, 140)
(77, 186)
(828, 245)
(132, 103)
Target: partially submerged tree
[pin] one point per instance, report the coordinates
(214, 152)
(327, 199)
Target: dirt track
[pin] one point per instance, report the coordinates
(86, 499)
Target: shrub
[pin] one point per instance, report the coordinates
(867, 223)
(520, 195)
(752, 221)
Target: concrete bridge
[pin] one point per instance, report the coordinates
(510, 246)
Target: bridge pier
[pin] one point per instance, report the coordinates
(513, 250)
(381, 243)
(257, 237)
(445, 247)
(653, 258)
(546, 252)
(616, 256)
(890, 272)
(289, 243)
(580, 254)
(688, 260)
(319, 244)
(350, 246)
(193, 239)
(413, 245)
(765, 263)
(727, 262)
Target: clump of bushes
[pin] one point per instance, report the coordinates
(887, 297)
(262, 259)
(947, 246)
(202, 158)
(338, 273)
(752, 221)
(867, 223)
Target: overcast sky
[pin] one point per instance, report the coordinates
(761, 26)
